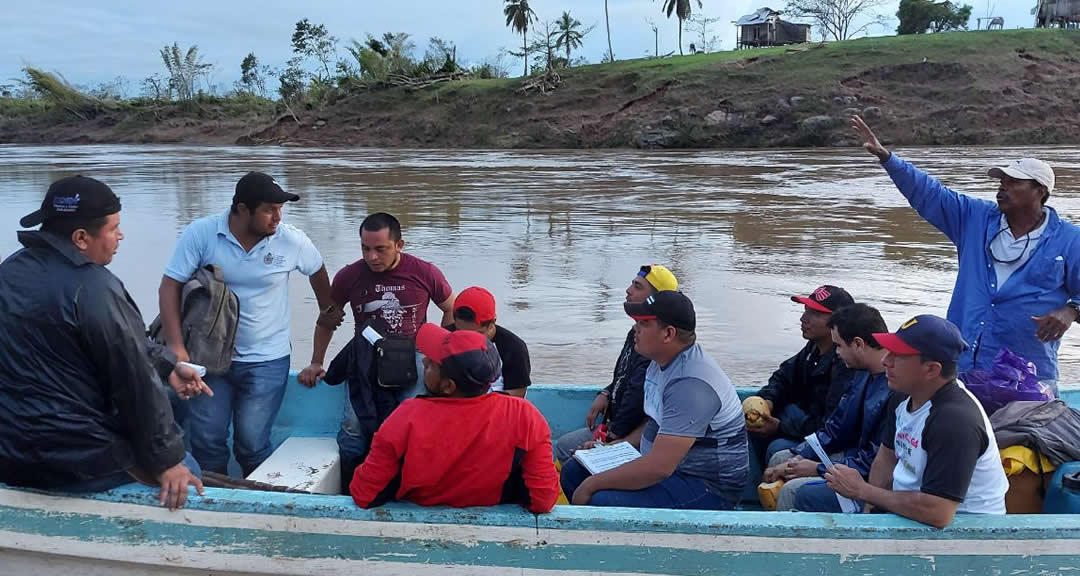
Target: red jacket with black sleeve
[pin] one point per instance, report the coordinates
(480, 451)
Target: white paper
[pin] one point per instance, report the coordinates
(606, 456)
(196, 367)
(371, 335)
(847, 505)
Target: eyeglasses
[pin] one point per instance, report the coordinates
(990, 248)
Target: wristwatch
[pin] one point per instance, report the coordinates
(1075, 308)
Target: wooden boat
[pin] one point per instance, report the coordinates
(237, 532)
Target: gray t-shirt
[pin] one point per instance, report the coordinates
(692, 397)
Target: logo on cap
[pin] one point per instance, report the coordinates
(66, 204)
(822, 294)
(909, 323)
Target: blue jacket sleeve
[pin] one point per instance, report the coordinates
(842, 424)
(946, 210)
(875, 416)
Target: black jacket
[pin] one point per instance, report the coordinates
(814, 382)
(626, 407)
(81, 392)
(355, 364)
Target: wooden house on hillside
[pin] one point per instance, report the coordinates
(765, 28)
(1057, 14)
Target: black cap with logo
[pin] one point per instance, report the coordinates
(670, 307)
(74, 197)
(256, 187)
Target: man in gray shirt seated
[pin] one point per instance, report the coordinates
(693, 441)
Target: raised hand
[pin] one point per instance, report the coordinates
(869, 140)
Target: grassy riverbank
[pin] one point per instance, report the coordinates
(1006, 87)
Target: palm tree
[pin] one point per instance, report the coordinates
(568, 35)
(682, 9)
(607, 24)
(519, 16)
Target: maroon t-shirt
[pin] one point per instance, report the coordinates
(396, 300)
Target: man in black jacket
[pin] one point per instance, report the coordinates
(82, 403)
(623, 401)
(807, 387)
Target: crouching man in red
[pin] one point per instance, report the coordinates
(458, 445)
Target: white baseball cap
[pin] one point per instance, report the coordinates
(1027, 169)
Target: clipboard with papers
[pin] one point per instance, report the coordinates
(605, 457)
(847, 505)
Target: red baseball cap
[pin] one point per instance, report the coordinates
(467, 356)
(479, 300)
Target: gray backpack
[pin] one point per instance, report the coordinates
(209, 315)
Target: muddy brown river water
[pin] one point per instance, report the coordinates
(557, 235)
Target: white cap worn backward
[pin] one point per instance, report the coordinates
(1027, 169)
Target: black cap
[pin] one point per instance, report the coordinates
(256, 187)
(827, 299)
(670, 307)
(74, 197)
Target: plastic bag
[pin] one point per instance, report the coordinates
(1010, 379)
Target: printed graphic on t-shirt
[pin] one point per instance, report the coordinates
(397, 317)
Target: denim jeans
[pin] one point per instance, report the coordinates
(676, 492)
(121, 478)
(567, 443)
(816, 496)
(353, 444)
(248, 397)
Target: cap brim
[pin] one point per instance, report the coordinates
(1010, 172)
(429, 341)
(810, 303)
(638, 310)
(895, 344)
(32, 219)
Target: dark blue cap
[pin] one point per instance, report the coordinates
(932, 337)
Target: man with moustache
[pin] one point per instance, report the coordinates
(256, 252)
(1018, 286)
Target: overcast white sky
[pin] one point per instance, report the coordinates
(96, 40)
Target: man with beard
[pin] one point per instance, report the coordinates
(1018, 286)
(256, 252)
(622, 401)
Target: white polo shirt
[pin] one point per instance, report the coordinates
(259, 278)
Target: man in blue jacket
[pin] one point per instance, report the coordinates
(852, 432)
(1018, 286)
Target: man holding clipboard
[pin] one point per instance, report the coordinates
(693, 441)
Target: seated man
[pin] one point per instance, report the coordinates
(459, 445)
(693, 442)
(853, 431)
(622, 401)
(83, 407)
(474, 309)
(938, 455)
(807, 387)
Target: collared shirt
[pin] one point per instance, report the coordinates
(1009, 253)
(991, 315)
(259, 278)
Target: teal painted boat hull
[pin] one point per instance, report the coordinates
(234, 532)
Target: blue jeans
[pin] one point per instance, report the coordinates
(676, 492)
(353, 444)
(248, 397)
(816, 496)
(121, 478)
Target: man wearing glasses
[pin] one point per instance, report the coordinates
(1018, 286)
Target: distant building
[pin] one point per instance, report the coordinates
(765, 28)
(1057, 14)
